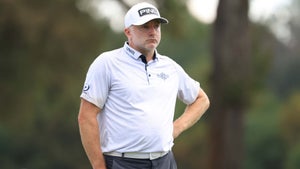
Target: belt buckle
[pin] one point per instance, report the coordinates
(155, 155)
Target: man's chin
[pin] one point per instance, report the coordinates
(152, 45)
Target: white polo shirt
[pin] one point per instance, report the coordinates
(137, 100)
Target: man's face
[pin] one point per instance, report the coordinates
(146, 37)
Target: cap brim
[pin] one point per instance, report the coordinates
(147, 19)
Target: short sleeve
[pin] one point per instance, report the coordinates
(96, 85)
(188, 88)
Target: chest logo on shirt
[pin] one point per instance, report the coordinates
(163, 76)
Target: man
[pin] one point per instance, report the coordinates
(128, 100)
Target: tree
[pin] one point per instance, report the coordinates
(231, 80)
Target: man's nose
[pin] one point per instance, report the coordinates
(152, 29)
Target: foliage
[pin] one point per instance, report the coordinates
(45, 50)
(290, 130)
(265, 147)
(293, 158)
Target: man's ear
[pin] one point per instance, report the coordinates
(127, 32)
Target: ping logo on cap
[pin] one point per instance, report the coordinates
(148, 11)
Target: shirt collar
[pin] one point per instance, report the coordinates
(134, 53)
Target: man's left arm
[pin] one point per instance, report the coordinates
(192, 114)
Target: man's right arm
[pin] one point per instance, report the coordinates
(89, 132)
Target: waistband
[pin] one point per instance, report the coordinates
(138, 155)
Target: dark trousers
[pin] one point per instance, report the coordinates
(165, 162)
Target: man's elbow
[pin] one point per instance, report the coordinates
(204, 100)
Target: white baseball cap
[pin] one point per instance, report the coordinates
(142, 13)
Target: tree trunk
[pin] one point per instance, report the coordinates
(231, 79)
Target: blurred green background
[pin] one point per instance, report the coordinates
(46, 48)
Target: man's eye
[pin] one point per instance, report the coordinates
(145, 26)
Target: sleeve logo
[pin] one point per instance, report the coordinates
(86, 87)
